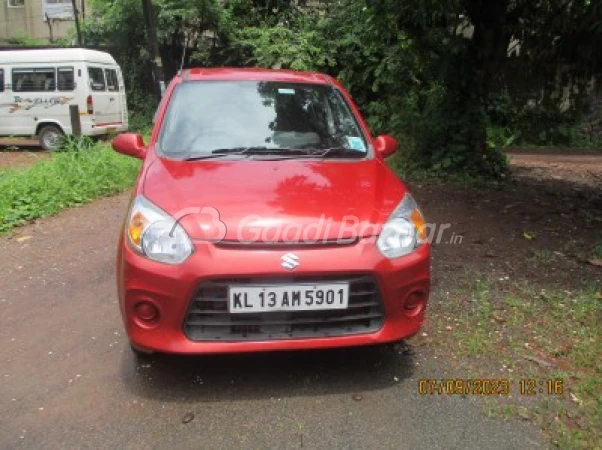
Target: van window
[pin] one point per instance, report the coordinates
(34, 80)
(112, 82)
(66, 78)
(1, 80)
(97, 79)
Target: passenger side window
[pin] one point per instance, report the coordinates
(112, 82)
(34, 80)
(1, 80)
(66, 78)
(97, 79)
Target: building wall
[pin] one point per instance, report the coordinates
(29, 20)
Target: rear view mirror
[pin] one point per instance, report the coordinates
(130, 144)
(385, 145)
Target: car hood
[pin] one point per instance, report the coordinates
(274, 200)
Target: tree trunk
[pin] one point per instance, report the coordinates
(489, 44)
(486, 50)
(153, 47)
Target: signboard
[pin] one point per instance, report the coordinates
(58, 9)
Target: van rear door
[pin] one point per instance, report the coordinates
(123, 99)
(104, 100)
(117, 89)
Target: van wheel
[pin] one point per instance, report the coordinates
(51, 137)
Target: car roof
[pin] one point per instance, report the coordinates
(227, 73)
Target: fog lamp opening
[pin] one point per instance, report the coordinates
(146, 312)
(414, 303)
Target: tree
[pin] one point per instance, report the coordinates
(425, 70)
(118, 27)
(447, 56)
(188, 30)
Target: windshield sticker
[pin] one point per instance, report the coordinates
(356, 143)
(286, 91)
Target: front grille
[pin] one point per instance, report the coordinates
(208, 318)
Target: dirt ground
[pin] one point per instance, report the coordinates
(572, 168)
(535, 242)
(553, 204)
(70, 381)
(20, 158)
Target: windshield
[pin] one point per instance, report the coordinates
(208, 116)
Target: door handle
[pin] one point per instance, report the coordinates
(112, 99)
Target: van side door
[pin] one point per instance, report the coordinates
(34, 100)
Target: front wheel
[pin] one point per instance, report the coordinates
(51, 138)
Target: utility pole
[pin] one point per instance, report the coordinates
(153, 47)
(79, 31)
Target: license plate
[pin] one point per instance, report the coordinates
(299, 297)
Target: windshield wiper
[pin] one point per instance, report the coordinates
(222, 152)
(245, 151)
(285, 152)
(235, 150)
(200, 157)
(292, 152)
(342, 152)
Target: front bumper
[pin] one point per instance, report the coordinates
(172, 288)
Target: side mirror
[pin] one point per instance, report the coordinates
(385, 145)
(130, 144)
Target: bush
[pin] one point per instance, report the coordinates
(513, 120)
(142, 109)
(81, 172)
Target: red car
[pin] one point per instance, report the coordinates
(265, 218)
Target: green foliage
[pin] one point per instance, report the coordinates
(118, 27)
(521, 321)
(81, 172)
(500, 137)
(514, 122)
(186, 18)
(419, 88)
(142, 120)
(413, 66)
(280, 47)
(256, 13)
(21, 40)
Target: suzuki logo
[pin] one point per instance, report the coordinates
(290, 261)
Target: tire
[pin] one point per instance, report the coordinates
(51, 138)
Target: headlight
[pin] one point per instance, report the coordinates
(155, 234)
(404, 231)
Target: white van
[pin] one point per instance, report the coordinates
(37, 87)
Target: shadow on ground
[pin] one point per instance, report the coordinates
(543, 230)
(213, 378)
